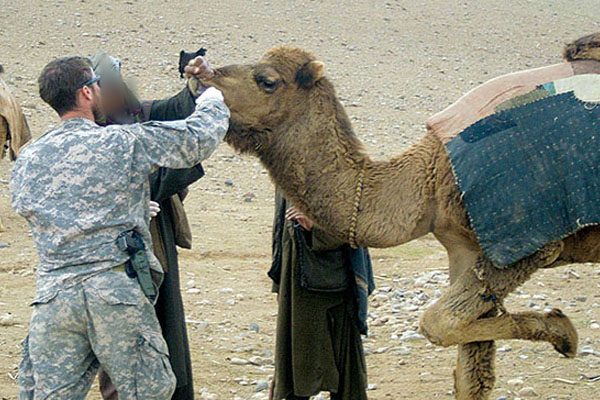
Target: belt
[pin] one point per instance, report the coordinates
(119, 268)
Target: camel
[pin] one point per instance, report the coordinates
(14, 131)
(285, 111)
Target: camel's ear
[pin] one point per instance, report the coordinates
(310, 74)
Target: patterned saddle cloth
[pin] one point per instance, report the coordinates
(530, 172)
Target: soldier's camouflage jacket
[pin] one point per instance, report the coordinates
(80, 185)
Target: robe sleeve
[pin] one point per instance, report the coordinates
(165, 182)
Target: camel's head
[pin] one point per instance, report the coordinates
(267, 96)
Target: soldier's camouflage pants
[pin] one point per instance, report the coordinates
(103, 320)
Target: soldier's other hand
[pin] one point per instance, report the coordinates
(199, 68)
(154, 208)
(293, 214)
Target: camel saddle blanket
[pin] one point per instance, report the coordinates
(529, 173)
(485, 99)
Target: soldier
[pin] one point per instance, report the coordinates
(84, 191)
(170, 228)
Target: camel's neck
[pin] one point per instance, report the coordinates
(316, 163)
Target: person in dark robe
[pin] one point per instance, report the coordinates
(170, 227)
(322, 287)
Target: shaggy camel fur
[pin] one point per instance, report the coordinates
(286, 112)
(14, 132)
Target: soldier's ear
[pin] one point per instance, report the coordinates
(310, 74)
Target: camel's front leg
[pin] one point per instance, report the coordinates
(454, 319)
(2, 229)
(475, 374)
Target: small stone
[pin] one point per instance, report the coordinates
(402, 351)
(581, 299)
(423, 297)
(587, 350)
(372, 386)
(194, 290)
(229, 182)
(528, 391)
(261, 386)
(504, 349)
(256, 360)
(4, 245)
(239, 361)
(381, 350)
(7, 320)
(594, 325)
(410, 336)
(502, 398)
(253, 327)
(515, 382)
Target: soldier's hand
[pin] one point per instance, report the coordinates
(293, 214)
(196, 70)
(211, 93)
(199, 69)
(154, 208)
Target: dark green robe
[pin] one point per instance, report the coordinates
(165, 183)
(318, 344)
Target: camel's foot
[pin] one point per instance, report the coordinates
(561, 333)
(474, 376)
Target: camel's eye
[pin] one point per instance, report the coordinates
(267, 84)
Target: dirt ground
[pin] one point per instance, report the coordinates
(394, 63)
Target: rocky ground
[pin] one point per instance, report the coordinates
(394, 63)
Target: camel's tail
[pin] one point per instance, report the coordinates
(585, 48)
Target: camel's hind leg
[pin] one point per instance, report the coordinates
(455, 318)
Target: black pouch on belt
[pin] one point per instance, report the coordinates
(138, 265)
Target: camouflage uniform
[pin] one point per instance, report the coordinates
(79, 186)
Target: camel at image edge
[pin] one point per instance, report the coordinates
(285, 111)
(14, 132)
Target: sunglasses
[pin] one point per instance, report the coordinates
(91, 81)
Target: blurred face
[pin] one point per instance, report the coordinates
(113, 100)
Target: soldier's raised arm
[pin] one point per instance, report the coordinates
(184, 143)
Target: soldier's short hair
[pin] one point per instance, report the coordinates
(61, 79)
